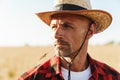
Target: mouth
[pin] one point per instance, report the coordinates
(61, 43)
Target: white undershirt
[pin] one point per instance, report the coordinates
(83, 75)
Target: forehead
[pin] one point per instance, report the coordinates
(69, 16)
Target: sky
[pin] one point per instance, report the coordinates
(20, 26)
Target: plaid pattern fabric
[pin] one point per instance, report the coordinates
(50, 70)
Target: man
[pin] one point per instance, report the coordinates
(73, 24)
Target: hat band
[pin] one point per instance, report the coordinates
(69, 7)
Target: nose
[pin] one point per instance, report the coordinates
(59, 33)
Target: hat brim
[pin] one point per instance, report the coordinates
(102, 18)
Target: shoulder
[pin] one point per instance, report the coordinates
(107, 70)
(30, 74)
(41, 71)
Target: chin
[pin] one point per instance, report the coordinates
(63, 53)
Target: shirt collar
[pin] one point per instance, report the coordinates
(94, 65)
(55, 64)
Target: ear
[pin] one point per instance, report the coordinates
(91, 31)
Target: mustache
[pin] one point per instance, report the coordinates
(61, 42)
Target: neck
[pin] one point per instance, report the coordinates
(80, 63)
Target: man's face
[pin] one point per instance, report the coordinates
(69, 31)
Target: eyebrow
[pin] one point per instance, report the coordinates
(62, 23)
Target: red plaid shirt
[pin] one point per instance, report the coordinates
(51, 70)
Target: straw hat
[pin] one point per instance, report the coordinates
(80, 7)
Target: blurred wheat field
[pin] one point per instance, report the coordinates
(14, 61)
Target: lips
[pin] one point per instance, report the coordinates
(60, 43)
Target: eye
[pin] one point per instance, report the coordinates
(66, 26)
(53, 26)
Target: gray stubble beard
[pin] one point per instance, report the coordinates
(63, 52)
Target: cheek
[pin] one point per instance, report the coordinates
(81, 31)
(79, 34)
(77, 39)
